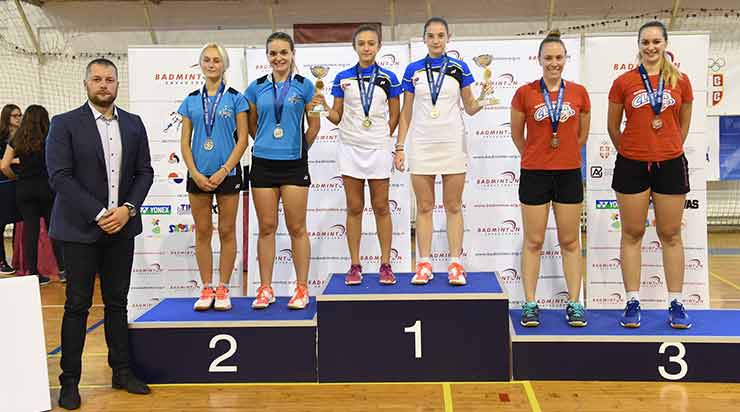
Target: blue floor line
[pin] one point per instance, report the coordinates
(90, 329)
(724, 251)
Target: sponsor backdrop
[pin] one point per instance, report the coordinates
(164, 258)
(607, 57)
(493, 223)
(326, 203)
(165, 264)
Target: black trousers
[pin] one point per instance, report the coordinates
(34, 199)
(111, 258)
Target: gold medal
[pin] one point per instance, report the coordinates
(435, 112)
(278, 132)
(554, 141)
(209, 145)
(657, 123)
(367, 123)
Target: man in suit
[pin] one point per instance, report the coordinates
(99, 165)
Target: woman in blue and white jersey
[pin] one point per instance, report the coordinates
(366, 108)
(432, 120)
(278, 103)
(213, 140)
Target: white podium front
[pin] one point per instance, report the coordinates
(24, 376)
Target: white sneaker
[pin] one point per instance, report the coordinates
(423, 274)
(299, 299)
(207, 296)
(265, 296)
(223, 301)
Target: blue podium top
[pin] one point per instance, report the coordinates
(481, 285)
(179, 313)
(603, 325)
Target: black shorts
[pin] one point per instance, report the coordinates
(231, 184)
(668, 177)
(537, 187)
(268, 173)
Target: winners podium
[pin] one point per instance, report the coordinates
(172, 343)
(363, 333)
(405, 332)
(603, 350)
(436, 332)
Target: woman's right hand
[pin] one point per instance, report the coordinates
(203, 183)
(399, 160)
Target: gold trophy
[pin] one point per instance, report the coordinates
(319, 71)
(483, 61)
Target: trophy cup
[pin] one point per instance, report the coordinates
(319, 71)
(483, 61)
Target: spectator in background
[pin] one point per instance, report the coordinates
(34, 197)
(10, 119)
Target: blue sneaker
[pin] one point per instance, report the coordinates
(530, 315)
(575, 313)
(677, 316)
(631, 315)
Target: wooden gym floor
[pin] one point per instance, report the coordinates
(535, 396)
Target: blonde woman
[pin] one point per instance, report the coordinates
(214, 138)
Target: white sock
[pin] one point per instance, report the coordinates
(633, 295)
(454, 260)
(674, 296)
(424, 259)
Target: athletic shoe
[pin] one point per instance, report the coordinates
(300, 298)
(6, 269)
(456, 274)
(677, 316)
(386, 274)
(575, 313)
(43, 280)
(354, 275)
(207, 295)
(423, 274)
(265, 296)
(631, 315)
(530, 315)
(62, 277)
(223, 301)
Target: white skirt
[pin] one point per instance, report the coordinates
(439, 158)
(362, 163)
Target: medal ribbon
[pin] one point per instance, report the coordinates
(553, 112)
(209, 113)
(656, 97)
(279, 100)
(435, 86)
(366, 94)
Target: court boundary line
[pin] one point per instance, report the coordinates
(723, 280)
(531, 397)
(447, 395)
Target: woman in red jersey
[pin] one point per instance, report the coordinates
(557, 115)
(656, 98)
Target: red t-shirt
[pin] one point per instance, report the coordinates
(639, 140)
(538, 155)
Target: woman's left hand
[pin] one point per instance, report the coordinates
(218, 177)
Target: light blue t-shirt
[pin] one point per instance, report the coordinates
(224, 129)
(292, 145)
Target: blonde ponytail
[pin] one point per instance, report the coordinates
(670, 73)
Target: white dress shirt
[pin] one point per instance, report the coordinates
(110, 138)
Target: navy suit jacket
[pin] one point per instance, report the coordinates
(77, 173)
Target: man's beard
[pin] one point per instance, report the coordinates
(102, 101)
